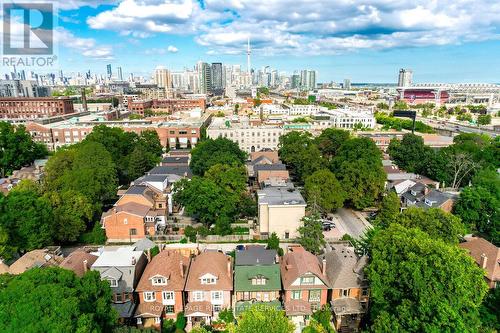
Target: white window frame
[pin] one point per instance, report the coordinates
(113, 282)
(158, 281)
(304, 278)
(147, 295)
(198, 296)
(216, 296)
(208, 281)
(296, 291)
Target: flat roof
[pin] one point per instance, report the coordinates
(280, 195)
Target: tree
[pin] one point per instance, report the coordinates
(139, 162)
(211, 152)
(479, 209)
(484, 119)
(55, 300)
(435, 222)
(324, 317)
(420, 284)
(28, 220)
(180, 321)
(410, 153)
(330, 140)
(17, 148)
(490, 316)
(389, 210)
(151, 142)
(311, 234)
(323, 191)
(262, 319)
(231, 178)
(273, 243)
(72, 213)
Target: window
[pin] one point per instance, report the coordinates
(344, 292)
(125, 221)
(314, 295)
(217, 308)
(197, 296)
(266, 297)
(133, 232)
(296, 294)
(169, 309)
(258, 296)
(149, 296)
(157, 320)
(216, 296)
(119, 298)
(113, 282)
(208, 281)
(168, 295)
(159, 281)
(246, 295)
(364, 292)
(139, 321)
(307, 280)
(259, 281)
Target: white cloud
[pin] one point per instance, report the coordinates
(172, 49)
(306, 27)
(88, 47)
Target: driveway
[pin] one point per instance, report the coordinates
(348, 222)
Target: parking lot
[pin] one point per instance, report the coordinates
(349, 222)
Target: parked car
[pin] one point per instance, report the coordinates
(240, 247)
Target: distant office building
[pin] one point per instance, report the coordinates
(295, 81)
(307, 79)
(109, 71)
(20, 88)
(347, 84)
(120, 73)
(217, 83)
(405, 78)
(162, 78)
(205, 77)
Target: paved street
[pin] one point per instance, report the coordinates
(350, 222)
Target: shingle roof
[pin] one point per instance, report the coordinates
(269, 167)
(75, 262)
(296, 264)
(35, 258)
(180, 170)
(343, 306)
(255, 255)
(344, 268)
(168, 265)
(175, 160)
(297, 307)
(243, 276)
(479, 246)
(133, 208)
(215, 263)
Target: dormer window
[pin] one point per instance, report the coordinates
(113, 282)
(259, 281)
(208, 281)
(158, 281)
(307, 280)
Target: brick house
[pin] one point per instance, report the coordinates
(160, 288)
(350, 293)
(305, 284)
(209, 286)
(487, 256)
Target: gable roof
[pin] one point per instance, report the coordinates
(297, 263)
(269, 167)
(144, 244)
(255, 255)
(243, 278)
(75, 262)
(113, 273)
(168, 265)
(35, 258)
(479, 246)
(344, 268)
(175, 160)
(215, 263)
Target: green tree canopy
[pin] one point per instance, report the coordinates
(323, 191)
(389, 209)
(262, 319)
(410, 153)
(211, 152)
(231, 178)
(17, 148)
(311, 234)
(330, 140)
(55, 300)
(420, 284)
(435, 222)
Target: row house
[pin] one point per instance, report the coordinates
(257, 278)
(305, 285)
(350, 293)
(161, 287)
(209, 287)
(122, 268)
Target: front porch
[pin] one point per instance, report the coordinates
(198, 314)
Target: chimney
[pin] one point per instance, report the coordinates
(133, 261)
(323, 268)
(484, 261)
(229, 267)
(148, 255)
(85, 267)
(181, 266)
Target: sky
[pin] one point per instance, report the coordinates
(365, 41)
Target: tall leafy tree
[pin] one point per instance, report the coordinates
(211, 152)
(410, 153)
(55, 300)
(311, 234)
(17, 148)
(489, 311)
(435, 222)
(323, 191)
(140, 161)
(330, 140)
(231, 178)
(420, 284)
(389, 210)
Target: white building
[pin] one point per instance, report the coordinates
(249, 137)
(344, 118)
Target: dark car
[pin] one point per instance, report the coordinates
(240, 247)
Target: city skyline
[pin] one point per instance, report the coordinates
(377, 39)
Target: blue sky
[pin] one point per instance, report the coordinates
(366, 41)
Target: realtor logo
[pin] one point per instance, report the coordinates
(28, 28)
